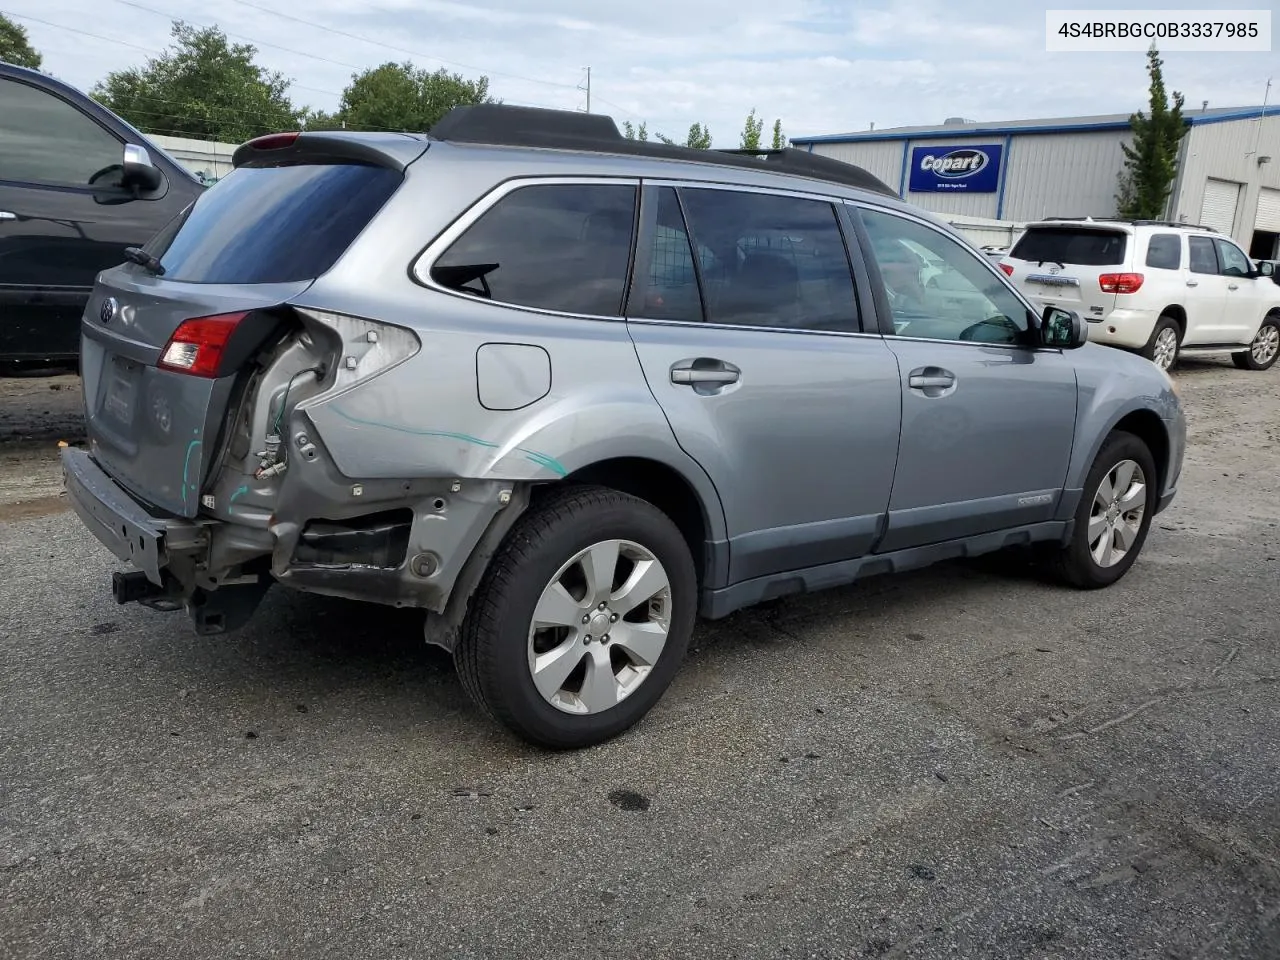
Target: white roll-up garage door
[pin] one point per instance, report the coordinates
(1268, 210)
(1219, 208)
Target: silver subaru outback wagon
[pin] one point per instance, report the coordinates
(565, 392)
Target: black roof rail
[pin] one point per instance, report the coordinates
(508, 126)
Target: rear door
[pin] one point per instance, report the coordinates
(162, 353)
(774, 389)
(64, 217)
(1062, 266)
(988, 421)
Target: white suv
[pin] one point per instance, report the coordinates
(1163, 289)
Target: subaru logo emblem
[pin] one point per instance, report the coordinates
(108, 309)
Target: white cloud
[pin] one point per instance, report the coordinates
(823, 66)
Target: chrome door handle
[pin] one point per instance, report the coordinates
(1193, 283)
(921, 381)
(8, 215)
(705, 371)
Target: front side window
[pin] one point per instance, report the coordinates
(563, 247)
(1234, 262)
(771, 261)
(44, 139)
(938, 290)
(1164, 251)
(1203, 259)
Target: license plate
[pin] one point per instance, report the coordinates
(120, 399)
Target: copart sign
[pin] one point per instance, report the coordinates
(971, 168)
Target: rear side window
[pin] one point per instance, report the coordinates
(1164, 251)
(274, 224)
(670, 290)
(564, 247)
(771, 261)
(1203, 259)
(1064, 245)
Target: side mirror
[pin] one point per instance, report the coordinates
(1063, 329)
(1266, 268)
(139, 171)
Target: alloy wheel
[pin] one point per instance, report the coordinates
(1118, 509)
(1266, 344)
(599, 627)
(1166, 348)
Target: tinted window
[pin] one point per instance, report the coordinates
(274, 224)
(1203, 259)
(1164, 251)
(1234, 262)
(562, 247)
(45, 139)
(669, 289)
(771, 261)
(1067, 245)
(939, 290)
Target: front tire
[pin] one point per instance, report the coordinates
(1162, 347)
(1114, 515)
(1264, 349)
(582, 619)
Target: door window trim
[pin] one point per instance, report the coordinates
(884, 315)
(421, 266)
(857, 272)
(58, 184)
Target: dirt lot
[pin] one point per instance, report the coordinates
(961, 762)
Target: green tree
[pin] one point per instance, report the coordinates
(635, 133)
(14, 46)
(399, 96)
(751, 131)
(202, 87)
(699, 138)
(1151, 162)
(779, 141)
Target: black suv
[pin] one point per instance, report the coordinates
(78, 186)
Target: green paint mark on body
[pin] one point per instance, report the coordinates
(541, 459)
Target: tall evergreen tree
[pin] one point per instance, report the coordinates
(1151, 161)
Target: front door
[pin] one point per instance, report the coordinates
(64, 217)
(754, 351)
(1247, 297)
(987, 422)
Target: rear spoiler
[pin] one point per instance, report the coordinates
(392, 151)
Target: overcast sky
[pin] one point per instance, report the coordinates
(823, 66)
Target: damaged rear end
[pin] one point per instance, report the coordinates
(197, 368)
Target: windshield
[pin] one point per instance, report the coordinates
(1082, 246)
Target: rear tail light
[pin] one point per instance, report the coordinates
(274, 141)
(1120, 282)
(196, 347)
(1007, 268)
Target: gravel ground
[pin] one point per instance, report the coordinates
(961, 762)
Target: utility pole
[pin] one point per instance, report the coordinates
(587, 88)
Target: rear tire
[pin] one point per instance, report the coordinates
(1162, 347)
(1113, 517)
(550, 681)
(1264, 350)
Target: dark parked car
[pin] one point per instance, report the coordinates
(78, 186)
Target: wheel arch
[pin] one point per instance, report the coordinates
(691, 504)
(1177, 313)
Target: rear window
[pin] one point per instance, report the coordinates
(1086, 248)
(273, 224)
